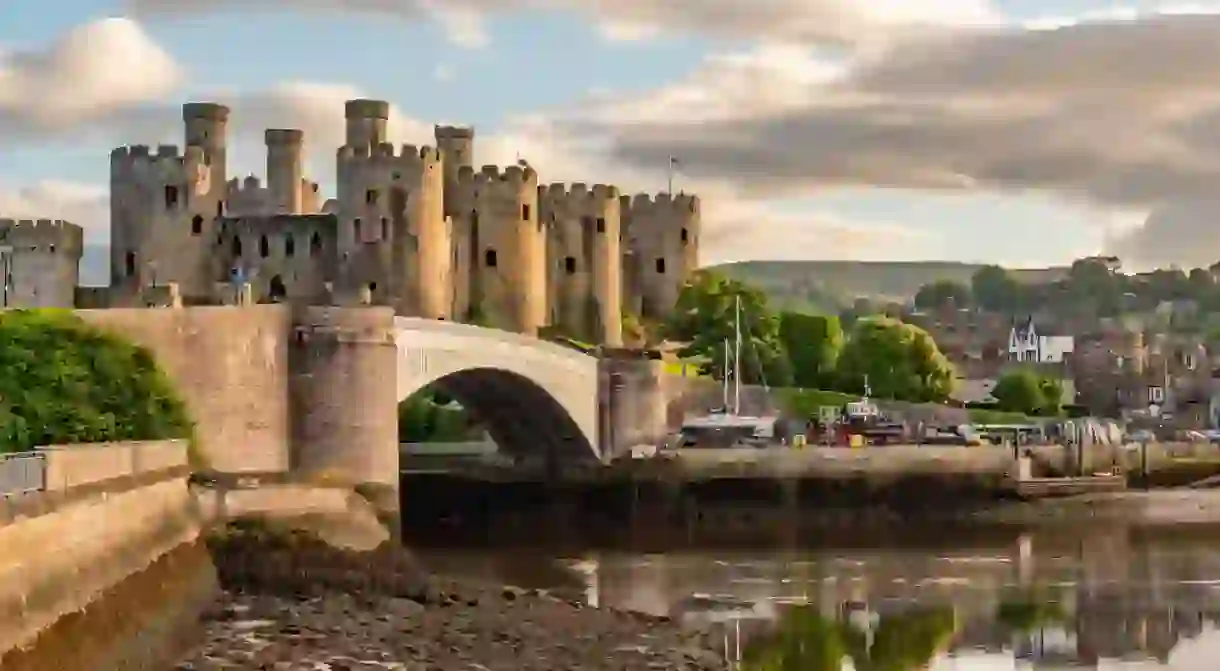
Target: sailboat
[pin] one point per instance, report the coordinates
(726, 426)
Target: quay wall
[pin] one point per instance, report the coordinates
(774, 496)
(102, 569)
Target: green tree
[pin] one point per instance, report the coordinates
(804, 641)
(1052, 395)
(898, 360)
(994, 288)
(704, 318)
(813, 343)
(1020, 390)
(431, 416)
(66, 381)
(943, 293)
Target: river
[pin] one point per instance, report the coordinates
(1084, 597)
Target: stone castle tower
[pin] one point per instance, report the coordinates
(415, 228)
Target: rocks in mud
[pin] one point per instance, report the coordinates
(292, 602)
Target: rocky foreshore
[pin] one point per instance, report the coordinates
(293, 602)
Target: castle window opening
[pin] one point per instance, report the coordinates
(171, 197)
(660, 266)
(586, 222)
(276, 290)
(370, 197)
(196, 225)
(356, 229)
(290, 246)
(220, 208)
(525, 212)
(685, 236)
(385, 228)
(315, 187)
(372, 286)
(236, 248)
(601, 224)
(315, 244)
(569, 265)
(264, 247)
(129, 264)
(52, 248)
(396, 176)
(489, 258)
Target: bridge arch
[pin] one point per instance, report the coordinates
(536, 398)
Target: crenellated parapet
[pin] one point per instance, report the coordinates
(138, 166)
(386, 153)
(494, 174)
(54, 236)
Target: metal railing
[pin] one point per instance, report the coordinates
(22, 473)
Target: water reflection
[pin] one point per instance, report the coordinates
(1089, 599)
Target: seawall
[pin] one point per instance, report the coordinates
(102, 569)
(774, 496)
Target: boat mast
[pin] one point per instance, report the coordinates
(737, 356)
(724, 382)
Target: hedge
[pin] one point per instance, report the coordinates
(64, 381)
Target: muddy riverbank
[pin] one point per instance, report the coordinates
(290, 601)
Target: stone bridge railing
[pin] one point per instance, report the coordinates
(467, 331)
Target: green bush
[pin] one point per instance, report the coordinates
(805, 402)
(65, 381)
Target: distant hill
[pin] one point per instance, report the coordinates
(832, 285)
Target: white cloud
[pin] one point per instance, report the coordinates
(844, 22)
(91, 71)
(85, 205)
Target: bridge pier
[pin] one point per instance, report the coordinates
(344, 402)
(632, 402)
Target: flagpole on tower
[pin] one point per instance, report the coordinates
(673, 163)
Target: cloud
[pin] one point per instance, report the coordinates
(92, 71)
(86, 205)
(1185, 234)
(841, 22)
(1119, 113)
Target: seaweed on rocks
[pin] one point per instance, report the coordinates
(292, 601)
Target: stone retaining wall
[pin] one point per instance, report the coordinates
(108, 513)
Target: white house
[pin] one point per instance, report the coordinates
(1026, 345)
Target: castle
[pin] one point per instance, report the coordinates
(415, 228)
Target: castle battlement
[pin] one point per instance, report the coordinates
(423, 154)
(491, 174)
(138, 164)
(645, 203)
(453, 132)
(576, 190)
(54, 235)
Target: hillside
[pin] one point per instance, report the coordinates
(831, 285)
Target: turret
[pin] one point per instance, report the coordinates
(366, 122)
(584, 260)
(662, 239)
(207, 126)
(284, 169)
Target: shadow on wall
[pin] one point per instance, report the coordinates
(522, 418)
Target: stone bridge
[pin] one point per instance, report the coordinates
(313, 392)
(535, 397)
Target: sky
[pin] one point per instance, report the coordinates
(1021, 132)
